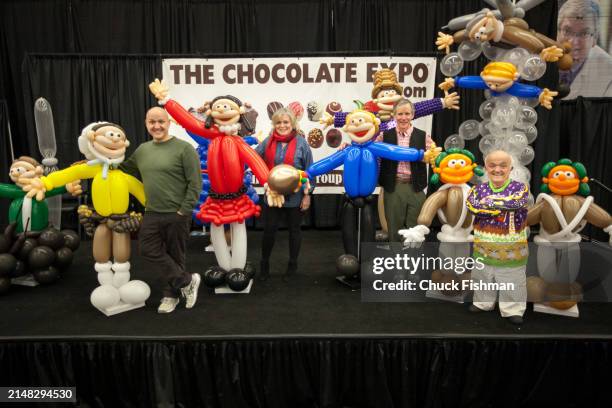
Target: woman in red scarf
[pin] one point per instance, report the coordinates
(285, 145)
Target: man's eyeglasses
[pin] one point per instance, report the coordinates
(582, 35)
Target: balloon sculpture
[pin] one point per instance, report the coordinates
(504, 28)
(226, 203)
(45, 132)
(104, 145)
(562, 209)
(361, 173)
(508, 118)
(29, 244)
(454, 169)
(387, 91)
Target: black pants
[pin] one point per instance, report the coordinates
(271, 219)
(163, 240)
(350, 222)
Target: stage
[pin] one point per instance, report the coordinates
(306, 342)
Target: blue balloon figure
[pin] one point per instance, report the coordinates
(500, 78)
(361, 174)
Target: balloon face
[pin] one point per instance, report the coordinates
(455, 168)
(23, 169)
(451, 65)
(109, 140)
(225, 112)
(361, 126)
(563, 180)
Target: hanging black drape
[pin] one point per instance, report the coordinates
(5, 160)
(214, 26)
(318, 372)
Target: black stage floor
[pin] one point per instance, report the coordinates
(312, 304)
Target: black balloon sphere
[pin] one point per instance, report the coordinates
(46, 275)
(5, 285)
(214, 276)
(237, 280)
(63, 257)
(52, 238)
(8, 264)
(26, 248)
(71, 239)
(347, 265)
(41, 257)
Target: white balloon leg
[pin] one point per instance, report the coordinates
(122, 274)
(222, 252)
(239, 245)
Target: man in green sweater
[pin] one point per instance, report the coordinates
(170, 171)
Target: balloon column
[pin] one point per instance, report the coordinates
(104, 145)
(508, 118)
(563, 208)
(454, 169)
(361, 174)
(226, 202)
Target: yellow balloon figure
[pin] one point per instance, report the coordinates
(104, 145)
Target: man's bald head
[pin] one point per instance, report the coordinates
(157, 122)
(156, 110)
(498, 165)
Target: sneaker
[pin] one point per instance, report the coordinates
(167, 305)
(190, 292)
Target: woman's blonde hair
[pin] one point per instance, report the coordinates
(285, 111)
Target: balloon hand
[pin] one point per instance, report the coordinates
(34, 187)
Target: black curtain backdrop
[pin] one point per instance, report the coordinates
(214, 26)
(5, 161)
(318, 372)
(110, 85)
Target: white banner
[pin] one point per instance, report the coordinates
(328, 83)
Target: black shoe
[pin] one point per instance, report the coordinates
(291, 271)
(475, 309)
(264, 271)
(518, 320)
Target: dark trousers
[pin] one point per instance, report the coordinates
(271, 220)
(163, 240)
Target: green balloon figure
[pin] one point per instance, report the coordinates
(21, 206)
